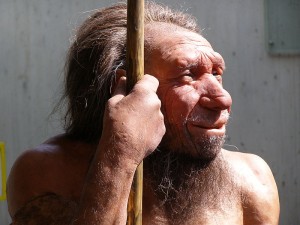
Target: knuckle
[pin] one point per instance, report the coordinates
(146, 95)
(149, 82)
(151, 78)
(110, 103)
(159, 102)
(154, 103)
(145, 92)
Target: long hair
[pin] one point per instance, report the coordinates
(98, 50)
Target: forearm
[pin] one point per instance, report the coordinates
(123, 145)
(106, 191)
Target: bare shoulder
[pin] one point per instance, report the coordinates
(57, 166)
(247, 164)
(259, 192)
(27, 177)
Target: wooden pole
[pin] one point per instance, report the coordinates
(135, 70)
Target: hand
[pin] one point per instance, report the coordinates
(133, 125)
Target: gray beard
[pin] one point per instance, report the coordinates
(183, 184)
(207, 148)
(202, 147)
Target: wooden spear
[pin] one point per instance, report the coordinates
(135, 71)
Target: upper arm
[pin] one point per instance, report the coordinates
(48, 209)
(260, 194)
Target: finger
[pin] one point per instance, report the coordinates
(148, 82)
(120, 90)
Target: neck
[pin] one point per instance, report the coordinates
(182, 184)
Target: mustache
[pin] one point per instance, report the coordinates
(210, 118)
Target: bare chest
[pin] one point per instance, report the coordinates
(223, 216)
(221, 209)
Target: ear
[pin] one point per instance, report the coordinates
(119, 73)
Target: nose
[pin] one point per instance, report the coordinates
(215, 97)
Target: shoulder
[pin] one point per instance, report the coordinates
(249, 165)
(259, 192)
(27, 176)
(39, 170)
(252, 169)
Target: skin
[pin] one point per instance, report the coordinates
(181, 103)
(190, 77)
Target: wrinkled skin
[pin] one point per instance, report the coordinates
(183, 98)
(194, 103)
(120, 127)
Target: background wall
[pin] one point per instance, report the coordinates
(265, 119)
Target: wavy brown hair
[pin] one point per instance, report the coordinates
(97, 51)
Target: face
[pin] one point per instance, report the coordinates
(194, 103)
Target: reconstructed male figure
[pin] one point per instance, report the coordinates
(174, 119)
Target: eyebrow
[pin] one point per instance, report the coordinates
(188, 66)
(222, 65)
(215, 59)
(219, 61)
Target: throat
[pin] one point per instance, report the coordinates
(182, 184)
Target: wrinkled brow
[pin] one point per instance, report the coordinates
(218, 60)
(208, 58)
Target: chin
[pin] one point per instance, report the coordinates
(206, 147)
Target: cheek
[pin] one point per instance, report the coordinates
(177, 103)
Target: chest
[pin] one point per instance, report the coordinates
(224, 208)
(215, 216)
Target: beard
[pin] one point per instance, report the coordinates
(203, 146)
(207, 148)
(184, 184)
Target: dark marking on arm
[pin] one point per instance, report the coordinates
(48, 209)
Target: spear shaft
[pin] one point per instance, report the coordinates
(135, 71)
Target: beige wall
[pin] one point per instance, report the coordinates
(34, 36)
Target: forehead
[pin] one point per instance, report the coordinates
(182, 47)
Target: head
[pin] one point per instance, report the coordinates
(195, 104)
(187, 172)
(98, 51)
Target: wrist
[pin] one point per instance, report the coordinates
(113, 156)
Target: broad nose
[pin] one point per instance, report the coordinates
(215, 97)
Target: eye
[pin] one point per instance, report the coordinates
(215, 73)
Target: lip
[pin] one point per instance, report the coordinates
(217, 129)
(208, 127)
(205, 121)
